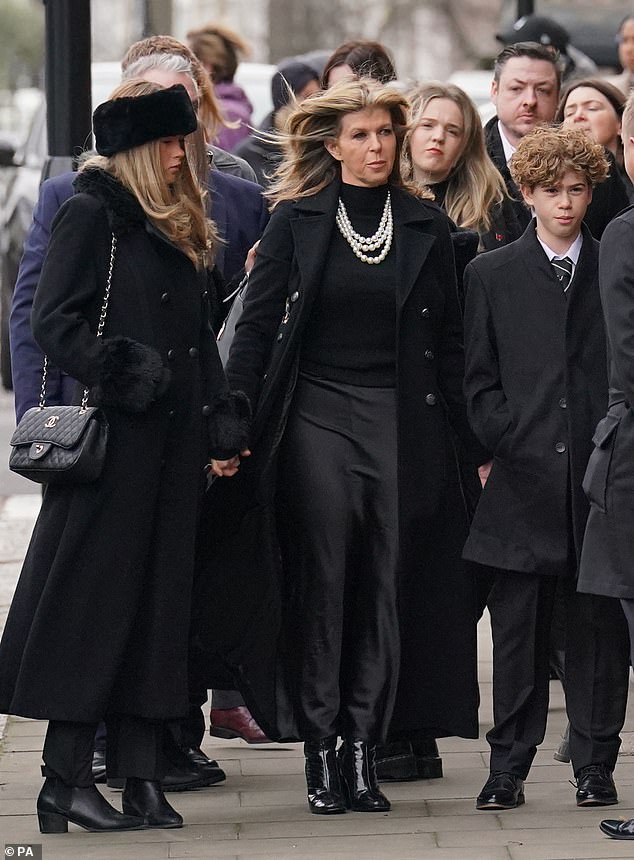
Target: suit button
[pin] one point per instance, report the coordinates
(193, 352)
(171, 354)
(562, 402)
(294, 296)
(205, 294)
(171, 413)
(560, 447)
(425, 313)
(280, 337)
(165, 298)
(206, 410)
(430, 399)
(429, 355)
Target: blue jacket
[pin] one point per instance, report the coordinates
(236, 206)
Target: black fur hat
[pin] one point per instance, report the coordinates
(124, 123)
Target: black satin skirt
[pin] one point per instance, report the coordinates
(338, 505)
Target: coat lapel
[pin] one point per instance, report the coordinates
(412, 239)
(312, 229)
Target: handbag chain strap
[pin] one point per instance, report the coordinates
(100, 327)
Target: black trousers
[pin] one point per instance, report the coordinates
(135, 749)
(596, 666)
(339, 522)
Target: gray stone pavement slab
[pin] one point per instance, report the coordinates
(261, 809)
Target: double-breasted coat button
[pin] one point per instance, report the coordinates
(425, 313)
(280, 336)
(171, 355)
(294, 296)
(562, 403)
(205, 294)
(165, 298)
(560, 447)
(193, 352)
(430, 399)
(429, 355)
(171, 413)
(206, 410)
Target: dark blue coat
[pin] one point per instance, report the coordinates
(236, 206)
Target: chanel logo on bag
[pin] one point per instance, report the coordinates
(52, 421)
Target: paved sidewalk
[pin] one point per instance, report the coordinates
(261, 811)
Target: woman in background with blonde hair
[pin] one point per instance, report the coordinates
(444, 150)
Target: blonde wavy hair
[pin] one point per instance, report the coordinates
(546, 154)
(178, 209)
(474, 186)
(307, 166)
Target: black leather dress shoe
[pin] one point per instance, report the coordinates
(595, 786)
(501, 791)
(396, 762)
(428, 761)
(618, 829)
(177, 779)
(203, 764)
(99, 766)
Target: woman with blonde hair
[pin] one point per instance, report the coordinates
(445, 152)
(349, 350)
(122, 306)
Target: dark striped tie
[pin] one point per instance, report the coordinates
(563, 270)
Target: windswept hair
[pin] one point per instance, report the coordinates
(307, 166)
(219, 48)
(546, 154)
(474, 185)
(209, 110)
(177, 209)
(367, 59)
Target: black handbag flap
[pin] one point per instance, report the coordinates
(39, 449)
(58, 425)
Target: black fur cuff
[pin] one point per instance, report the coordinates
(229, 424)
(131, 377)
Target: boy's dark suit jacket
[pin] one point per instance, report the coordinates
(536, 386)
(607, 562)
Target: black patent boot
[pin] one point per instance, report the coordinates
(357, 763)
(322, 777)
(145, 798)
(59, 803)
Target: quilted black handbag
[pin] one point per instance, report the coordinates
(63, 444)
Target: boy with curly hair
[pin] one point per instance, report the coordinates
(536, 386)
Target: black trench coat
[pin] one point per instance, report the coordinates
(536, 384)
(99, 622)
(241, 623)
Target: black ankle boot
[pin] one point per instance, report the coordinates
(358, 773)
(322, 777)
(144, 797)
(58, 804)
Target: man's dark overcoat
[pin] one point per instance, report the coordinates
(99, 622)
(244, 575)
(536, 385)
(608, 548)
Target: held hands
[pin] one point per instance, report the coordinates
(228, 468)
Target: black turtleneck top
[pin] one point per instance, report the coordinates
(351, 334)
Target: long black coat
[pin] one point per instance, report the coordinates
(608, 199)
(99, 622)
(608, 548)
(536, 385)
(244, 617)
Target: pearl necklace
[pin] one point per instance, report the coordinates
(362, 244)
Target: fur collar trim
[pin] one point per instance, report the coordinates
(124, 211)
